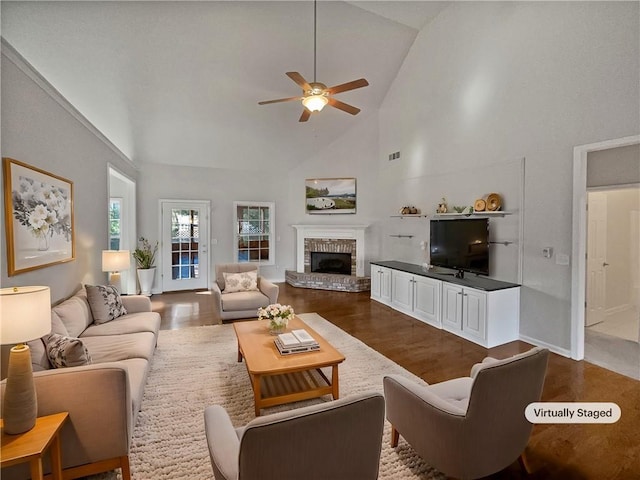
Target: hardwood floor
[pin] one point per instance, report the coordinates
(562, 452)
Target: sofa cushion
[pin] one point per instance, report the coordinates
(456, 391)
(66, 351)
(56, 324)
(75, 313)
(113, 348)
(244, 301)
(240, 282)
(105, 303)
(129, 323)
(39, 357)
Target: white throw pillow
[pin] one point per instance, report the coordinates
(240, 282)
(105, 303)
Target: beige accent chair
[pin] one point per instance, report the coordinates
(473, 426)
(241, 304)
(337, 440)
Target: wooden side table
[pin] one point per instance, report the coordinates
(30, 446)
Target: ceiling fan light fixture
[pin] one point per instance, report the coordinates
(315, 103)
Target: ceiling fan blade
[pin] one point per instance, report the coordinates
(347, 86)
(266, 102)
(343, 106)
(299, 79)
(305, 115)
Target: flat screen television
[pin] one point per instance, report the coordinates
(461, 244)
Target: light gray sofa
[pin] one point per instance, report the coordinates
(236, 305)
(103, 399)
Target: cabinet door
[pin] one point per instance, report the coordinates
(376, 281)
(402, 290)
(474, 313)
(451, 307)
(381, 283)
(385, 284)
(426, 301)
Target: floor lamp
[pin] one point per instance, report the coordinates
(114, 261)
(25, 314)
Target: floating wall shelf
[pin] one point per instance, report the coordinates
(474, 214)
(411, 215)
(455, 215)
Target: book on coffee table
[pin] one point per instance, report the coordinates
(303, 337)
(296, 341)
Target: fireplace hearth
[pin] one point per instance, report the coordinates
(330, 257)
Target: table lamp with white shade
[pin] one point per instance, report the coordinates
(114, 261)
(25, 314)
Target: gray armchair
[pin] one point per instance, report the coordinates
(243, 304)
(337, 440)
(473, 426)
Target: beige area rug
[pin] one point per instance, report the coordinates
(197, 367)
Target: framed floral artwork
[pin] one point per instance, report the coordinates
(38, 217)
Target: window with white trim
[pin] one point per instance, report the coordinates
(115, 223)
(254, 226)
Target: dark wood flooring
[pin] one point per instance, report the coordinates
(562, 452)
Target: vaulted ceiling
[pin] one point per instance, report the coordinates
(179, 82)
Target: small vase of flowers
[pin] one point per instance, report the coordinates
(278, 316)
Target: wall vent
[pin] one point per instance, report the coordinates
(394, 156)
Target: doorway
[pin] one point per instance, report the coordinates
(184, 251)
(613, 243)
(122, 222)
(605, 260)
(612, 326)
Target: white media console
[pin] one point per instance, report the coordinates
(479, 309)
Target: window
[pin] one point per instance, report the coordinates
(115, 223)
(254, 226)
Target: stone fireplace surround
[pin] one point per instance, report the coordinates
(335, 239)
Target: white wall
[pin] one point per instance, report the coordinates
(38, 130)
(221, 187)
(492, 82)
(614, 166)
(351, 156)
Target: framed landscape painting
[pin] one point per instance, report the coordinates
(38, 217)
(327, 196)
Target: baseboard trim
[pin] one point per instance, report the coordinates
(552, 348)
(618, 309)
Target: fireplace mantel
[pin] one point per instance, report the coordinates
(355, 232)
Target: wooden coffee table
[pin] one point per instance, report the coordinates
(277, 379)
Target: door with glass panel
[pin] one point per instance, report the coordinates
(185, 252)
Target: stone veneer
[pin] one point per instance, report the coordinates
(329, 245)
(328, 281)
(329, 238)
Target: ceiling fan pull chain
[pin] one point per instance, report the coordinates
(315, 26)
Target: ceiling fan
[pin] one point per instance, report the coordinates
(316, 95)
